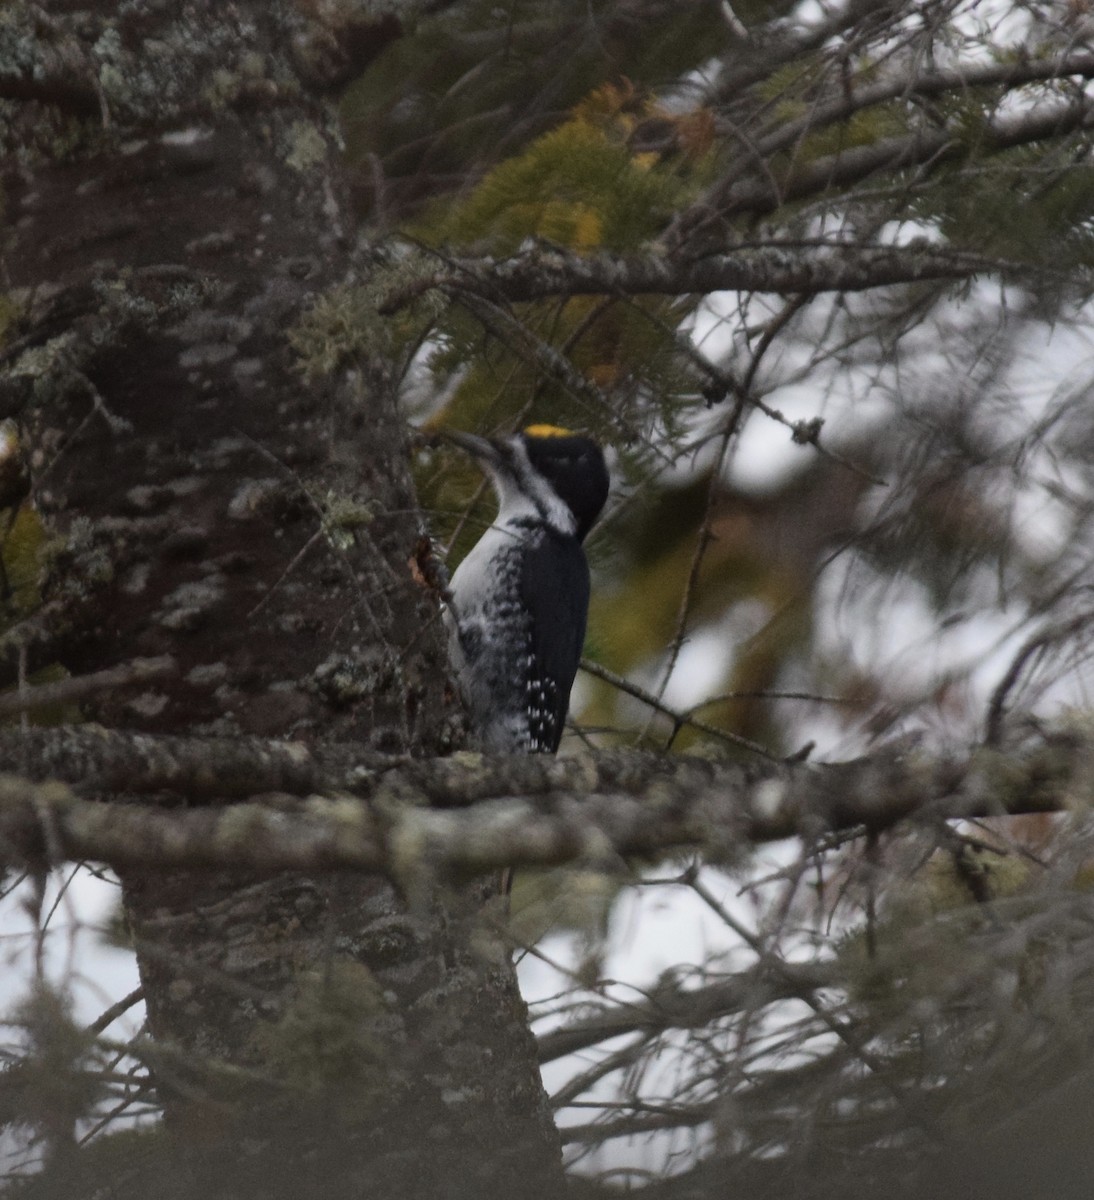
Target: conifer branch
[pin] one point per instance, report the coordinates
(670, 1006)
(934, 146)
(963, 78)
(546, 271)
(469, 814)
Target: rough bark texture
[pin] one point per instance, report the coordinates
(175, 204)
(455, 817)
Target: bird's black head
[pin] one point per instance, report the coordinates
(574, 467)
(546, 473)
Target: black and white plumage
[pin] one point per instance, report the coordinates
(520, 598)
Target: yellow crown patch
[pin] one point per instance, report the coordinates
(547, 431)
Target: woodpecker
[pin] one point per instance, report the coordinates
(520, 599)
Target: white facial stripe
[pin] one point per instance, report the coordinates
(554, 510)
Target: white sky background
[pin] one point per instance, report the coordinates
(74, 957)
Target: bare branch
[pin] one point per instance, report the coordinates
(1043, 639)
(756, 63)
(117, 1009)
(934, 83)
(470, 814)
(855, 163)
(552, 271)
(105, 760)
(658, 705)
(668, 1117)
(41, 61)
(69, 691)
(674, 1007)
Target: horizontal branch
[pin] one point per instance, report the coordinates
(57, 74)
(642, 1121)
(80, 687)
(551, 271)
(674, 1007)
(67, 93)
(469, 814)
(961, 78)
(852, 165)
(784, 44)
(98, 760)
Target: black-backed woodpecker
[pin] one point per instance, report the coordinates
(520, 599)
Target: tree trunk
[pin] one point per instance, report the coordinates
(175, 207)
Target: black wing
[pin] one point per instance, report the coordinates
(555, 591)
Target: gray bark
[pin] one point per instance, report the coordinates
(462, 816)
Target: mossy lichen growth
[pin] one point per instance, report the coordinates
(328, 1036)
(342, 515)
(347, 325)
(305, 147)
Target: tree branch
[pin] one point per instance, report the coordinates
(79, 687)
(961, 78)
(755, 63)
(552, 271)
(676, 1007)
(97, 760)
(470, 814)
(855, 163)
(41, 61)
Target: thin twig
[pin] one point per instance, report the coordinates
(1037, 642)
(615, 1061)
(810, 697)
(703, 540)
(844, 1030)
(110, 1015)
(678, 718)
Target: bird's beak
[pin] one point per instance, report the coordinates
(479, 448)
